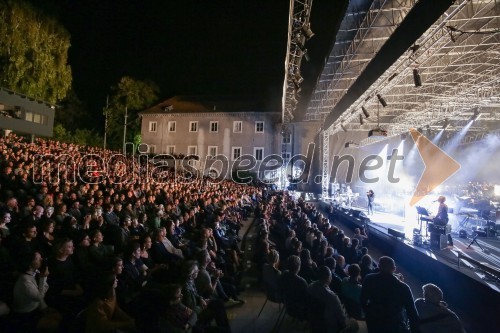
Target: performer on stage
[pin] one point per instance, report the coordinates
(441, 218)
(349, 194)
(371, 197)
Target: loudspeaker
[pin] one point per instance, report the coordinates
(396, 233)
(438, 241)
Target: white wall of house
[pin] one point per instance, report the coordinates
(253, 133)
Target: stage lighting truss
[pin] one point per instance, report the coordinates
(299, 31)
(458, 75)
(355, 46)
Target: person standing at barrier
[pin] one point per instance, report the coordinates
(387, 301)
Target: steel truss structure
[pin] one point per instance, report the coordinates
(448, 77)
(457, 62)
(298, 33)
(361, 35)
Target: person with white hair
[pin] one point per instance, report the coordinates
(434, 313)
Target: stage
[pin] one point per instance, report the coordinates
(468, 272)
(478, 259)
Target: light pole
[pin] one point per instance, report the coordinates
(106, 111)
(125, 128)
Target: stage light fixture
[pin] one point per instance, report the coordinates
(306, 28)
(392, 77)
(361, 121)
(365, 112)
(381, 100)
(416, 78)
(343, 127)
(446, 123)
(476, 115)
(414, 48)
(298, 78)
(306, 55)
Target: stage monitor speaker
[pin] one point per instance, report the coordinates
(438, 241)
(396, 233)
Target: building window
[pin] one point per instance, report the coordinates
(152, 126)
(259, 127)
(214, 126)
(285, 156)
(237, 125)
(212, 151)
(286, 137)
(258, 153)
(193, 126)
(152, 149)
(236, 153)
(171, 126)
(170, 150)
(192, 150)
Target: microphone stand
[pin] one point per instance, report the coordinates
(474, 240)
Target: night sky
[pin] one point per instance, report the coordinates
(188, 47)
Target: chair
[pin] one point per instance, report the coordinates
(316, 314)
(273, 295)
(270, 298)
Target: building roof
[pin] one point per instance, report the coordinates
(203, 104)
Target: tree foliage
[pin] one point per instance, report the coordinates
(133, 95)
(33, 52)
(84, 137)
(72, 113)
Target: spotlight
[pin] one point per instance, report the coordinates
(381, 100)
(343, 127)
(306, 55)
(476, 115)
(392, 77)
(306, 28)
(300, 41)
(414, 48)
(416, 78)
(446, 123)
(361, 121)
(298, 78)
(365, 112)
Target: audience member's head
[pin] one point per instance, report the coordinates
(331, 263)
(325, 275)
(353, 271)
(386, 265)
(273, 257)
(293, 264)
(432, 293)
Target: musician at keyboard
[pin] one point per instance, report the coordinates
(441, 218)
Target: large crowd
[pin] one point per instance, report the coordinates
(97, 242)
(332, 282)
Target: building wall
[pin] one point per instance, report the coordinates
(226, 138)
(25, 115)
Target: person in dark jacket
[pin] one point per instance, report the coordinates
(385, 299)
(294, 289)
